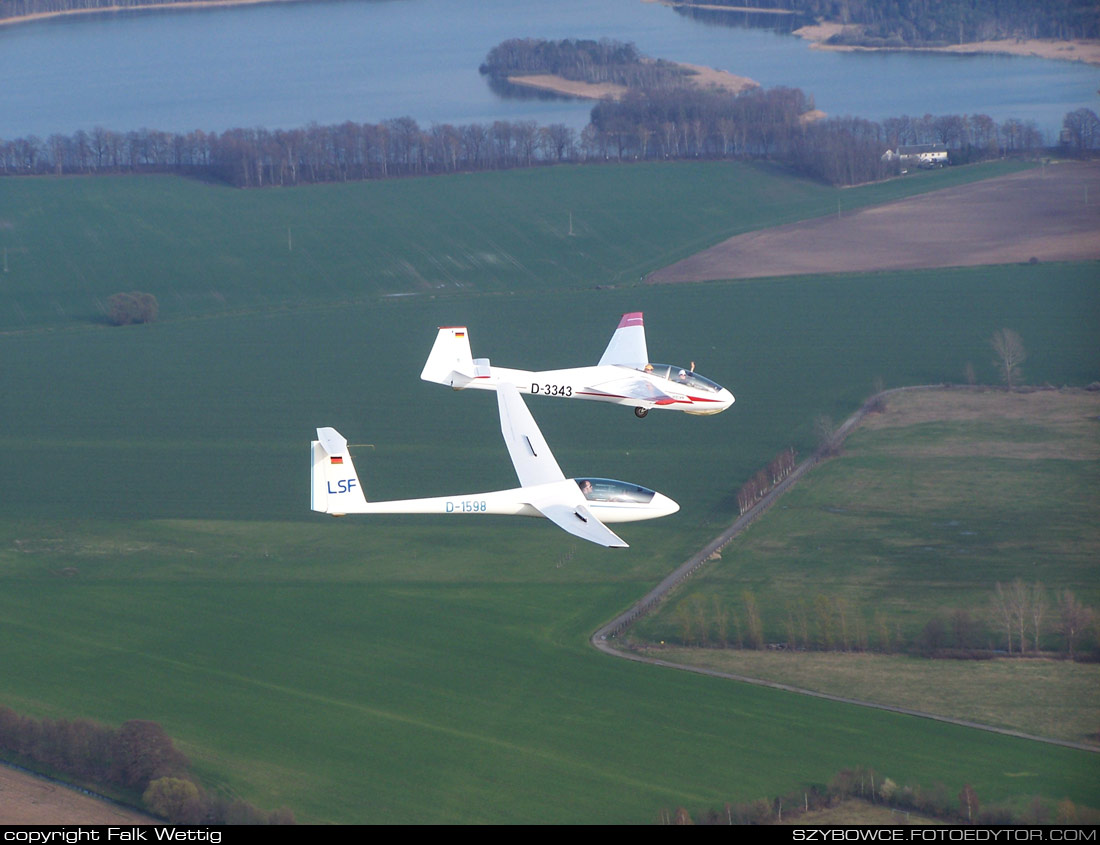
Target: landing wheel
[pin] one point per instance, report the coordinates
(641, 412)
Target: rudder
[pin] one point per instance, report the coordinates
(335, 485)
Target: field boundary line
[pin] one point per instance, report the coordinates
(603, 637)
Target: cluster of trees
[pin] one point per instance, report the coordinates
(1020, 619)
(1019, 611)
(865, 784)
(753, 490)
(125, 309)
(1081, 131)
(686, 123)
(600, 61)
(902, 23)
(138, 758)
(129, 757)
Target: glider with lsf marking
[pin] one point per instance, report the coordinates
(580, 506)
(623, 376)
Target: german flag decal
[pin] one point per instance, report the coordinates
(336, 460)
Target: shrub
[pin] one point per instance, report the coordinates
(124, 309)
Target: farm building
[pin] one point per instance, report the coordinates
(919, 154)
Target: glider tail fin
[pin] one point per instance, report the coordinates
(627, 345)
(450, 361)
(335, 485)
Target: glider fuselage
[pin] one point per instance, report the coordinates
(624, 374)
(609, 500)
(580, 506)
(615, 383)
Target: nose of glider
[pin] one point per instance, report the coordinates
(726, 397)
(663, 504)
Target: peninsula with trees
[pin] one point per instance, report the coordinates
(1052, 29)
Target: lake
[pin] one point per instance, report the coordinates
(286, 65)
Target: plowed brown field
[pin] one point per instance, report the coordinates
(1049, 213)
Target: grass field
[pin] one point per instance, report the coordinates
(1040, 697)
(934, 501)
(158, 559)
(207, 249)
(926, 511)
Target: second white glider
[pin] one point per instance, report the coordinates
(580, 506)
(623, 376)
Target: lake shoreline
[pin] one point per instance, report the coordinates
(144, 7)
(1082, 50)
(700, 76)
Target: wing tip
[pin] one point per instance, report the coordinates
(634, 318)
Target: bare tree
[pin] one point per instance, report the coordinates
(1009, 353)
(1001, 613)
(721, 622)
(1020, 603)
(968, 801)
(753, 622)
(828, 444)
(1075, 620)
(1038, 608)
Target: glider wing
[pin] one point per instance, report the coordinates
(532, 458)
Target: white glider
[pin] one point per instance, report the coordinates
(624, 375)
(581, 506)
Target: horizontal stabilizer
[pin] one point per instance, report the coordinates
(332, 441)
(450, 361)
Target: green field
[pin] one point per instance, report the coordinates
(209, 249)
(920, 518)
(1057, 699)
(159, 561)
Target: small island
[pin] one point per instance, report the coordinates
(597, 70)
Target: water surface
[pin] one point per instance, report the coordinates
(289, 64)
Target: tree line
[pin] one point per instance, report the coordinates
(757, 487)
(893, 23)
(927, 23)
(1019, 619)
(863, 783)
(136, 759)
(644, 126)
